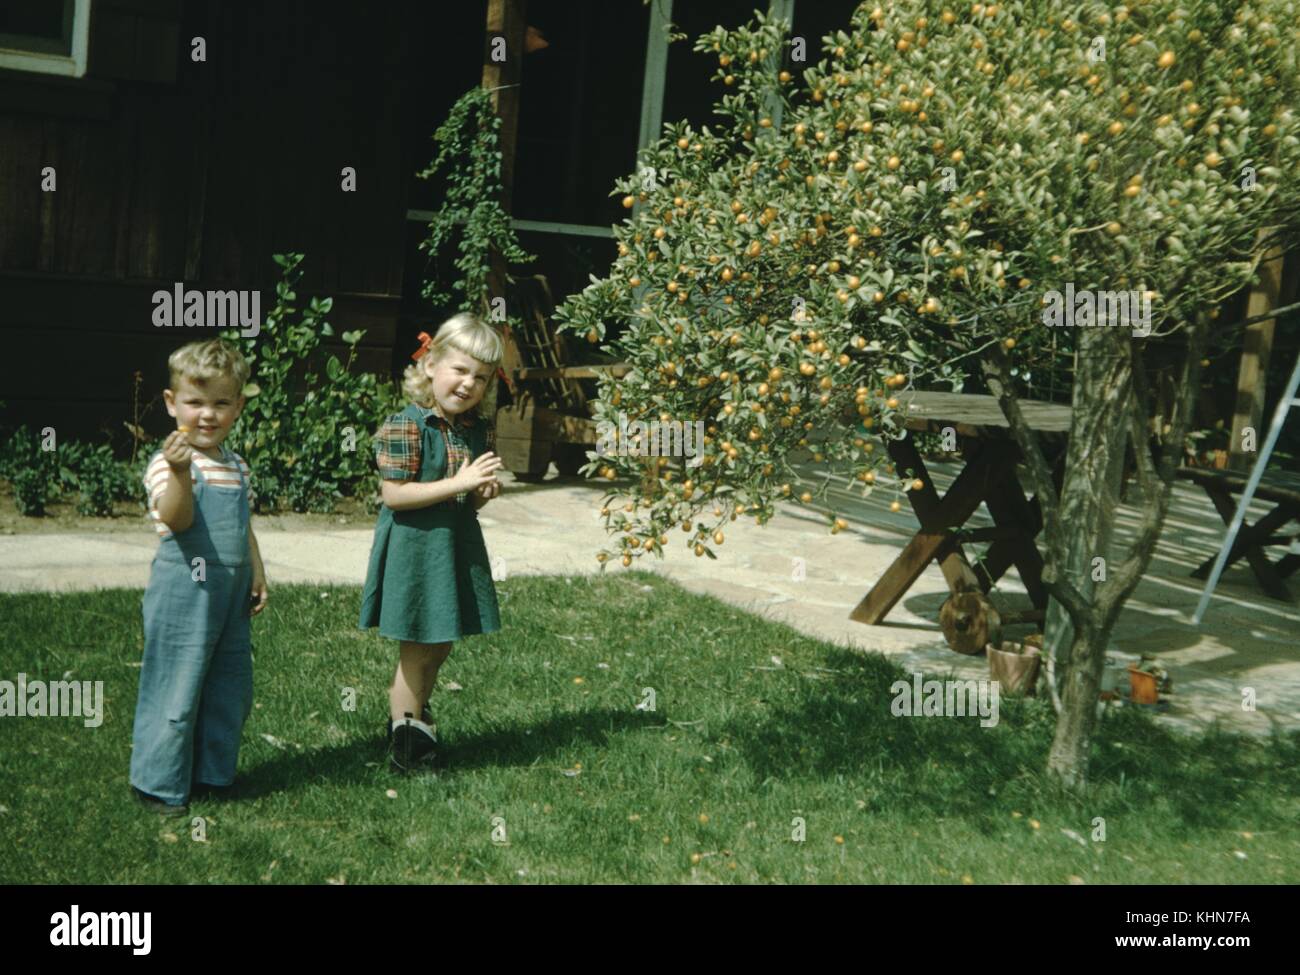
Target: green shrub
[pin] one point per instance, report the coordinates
(102, 480)
(33, 489)
(306, 449)
(34, 473)
(40, 476)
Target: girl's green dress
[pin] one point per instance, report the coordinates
(429, 579)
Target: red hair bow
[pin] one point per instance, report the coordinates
(424, 345)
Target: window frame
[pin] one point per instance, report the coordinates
(71, 65)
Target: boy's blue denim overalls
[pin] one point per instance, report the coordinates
(196, 683)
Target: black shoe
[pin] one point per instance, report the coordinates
(413, 745)
(154, 804)
(426, 716)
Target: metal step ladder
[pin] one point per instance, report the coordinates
(1284, 405)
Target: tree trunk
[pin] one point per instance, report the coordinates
(1068, 758)
(1103, 385)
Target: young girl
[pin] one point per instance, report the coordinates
(429, 582)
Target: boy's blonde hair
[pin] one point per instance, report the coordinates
(213, 359)
(465, 333)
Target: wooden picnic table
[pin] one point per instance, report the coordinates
(988, 477)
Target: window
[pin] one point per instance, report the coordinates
(45, 36)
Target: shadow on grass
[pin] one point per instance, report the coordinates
(952, 766)
(516, 744)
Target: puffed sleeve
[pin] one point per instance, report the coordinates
(397, 449)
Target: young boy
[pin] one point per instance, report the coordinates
(196, 684)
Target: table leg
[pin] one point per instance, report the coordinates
(1269, 580)
(1249, 535)
(1007, 504)
(933, 541)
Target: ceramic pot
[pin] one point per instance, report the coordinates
(1014, 670)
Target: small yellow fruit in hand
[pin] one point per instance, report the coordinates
(183, 428)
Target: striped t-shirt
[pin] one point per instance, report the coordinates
(221, 474)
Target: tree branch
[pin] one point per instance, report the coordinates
(1157, 484)
(997, 375)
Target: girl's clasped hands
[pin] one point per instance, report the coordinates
(479, 476)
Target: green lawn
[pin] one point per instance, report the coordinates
(545, 735)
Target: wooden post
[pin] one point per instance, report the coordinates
(505, 18)
(1253, 375)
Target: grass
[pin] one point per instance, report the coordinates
(587, 788)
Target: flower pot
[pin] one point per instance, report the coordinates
(1143, 686)
(1015, 671)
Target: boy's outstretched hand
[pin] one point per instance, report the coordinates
(488, 491)
(176, 450)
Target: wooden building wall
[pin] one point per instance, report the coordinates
(175, 171)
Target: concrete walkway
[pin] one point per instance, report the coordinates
(1246, 641)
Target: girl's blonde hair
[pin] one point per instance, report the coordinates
(465, 333)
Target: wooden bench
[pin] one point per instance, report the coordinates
(1279, 488)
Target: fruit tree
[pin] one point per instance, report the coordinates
(898, 216)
